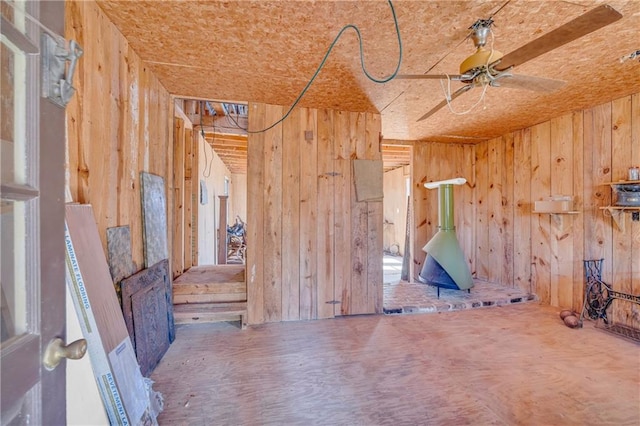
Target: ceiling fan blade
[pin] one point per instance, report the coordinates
(584, 24)
(442, 104)
(528, 82)
(455, 77)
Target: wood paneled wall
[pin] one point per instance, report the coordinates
(313, 251)
(119, 123)
(434, 162)
(575, 154)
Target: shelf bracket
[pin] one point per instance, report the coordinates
(557, 219)
(618, 217)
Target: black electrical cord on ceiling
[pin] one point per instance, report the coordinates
(324, 60)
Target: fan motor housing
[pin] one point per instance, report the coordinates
(481, 59)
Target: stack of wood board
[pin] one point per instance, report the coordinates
(122, 387)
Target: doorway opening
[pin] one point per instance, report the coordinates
(397, 235)
(210, 211)
(217, 173)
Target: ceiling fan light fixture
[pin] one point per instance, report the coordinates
(481, 58)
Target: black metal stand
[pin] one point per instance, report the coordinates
(599, 296)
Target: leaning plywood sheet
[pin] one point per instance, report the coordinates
(121, 264)
(121, 384)
(148, 312)
(367, 175)
(154, 219)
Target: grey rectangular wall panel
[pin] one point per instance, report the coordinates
(154, 219)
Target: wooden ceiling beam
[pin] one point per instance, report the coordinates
(396, 149)
(223, 150)
(225, 136)
(227, 142)
(395, 155)
(218, 108)
(239, 157)
(227, 148)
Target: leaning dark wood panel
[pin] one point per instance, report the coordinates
(148, 312)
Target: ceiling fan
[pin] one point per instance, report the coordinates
(489, 67)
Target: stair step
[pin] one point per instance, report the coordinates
(212, 273)
(213, 297)
(211, 287)
(210, 312)
(211, 284)
(233, 291)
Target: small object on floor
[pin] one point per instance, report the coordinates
(565, 313)
(571, 321)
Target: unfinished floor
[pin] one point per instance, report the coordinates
(516, 364)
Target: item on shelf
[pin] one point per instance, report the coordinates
(627, 194)
(554, 204)
(634, 173)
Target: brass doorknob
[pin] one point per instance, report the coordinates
(57, 350)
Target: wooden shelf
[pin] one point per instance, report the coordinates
(557, 217)
(614, 207)
(617, 212)
(559, 212)
(623, 182)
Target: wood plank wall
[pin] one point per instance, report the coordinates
(119, 123)
(312, 250)
(185, 207)
(575, 154)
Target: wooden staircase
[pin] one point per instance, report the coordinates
(211, 294)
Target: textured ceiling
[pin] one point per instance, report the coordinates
(266, 51)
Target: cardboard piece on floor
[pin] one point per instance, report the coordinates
(154, 219)
(148, 313)
(367, 175)
(122, 387)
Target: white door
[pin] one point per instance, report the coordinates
(32, 264)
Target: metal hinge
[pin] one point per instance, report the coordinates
(333, 302)
(56, 78)
(333, 174)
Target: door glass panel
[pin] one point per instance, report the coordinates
(13, 176)
(17, 193)
(13, 99)
(12, 264)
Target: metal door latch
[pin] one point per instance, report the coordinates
(57, 80)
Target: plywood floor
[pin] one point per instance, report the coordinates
(515, 364)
